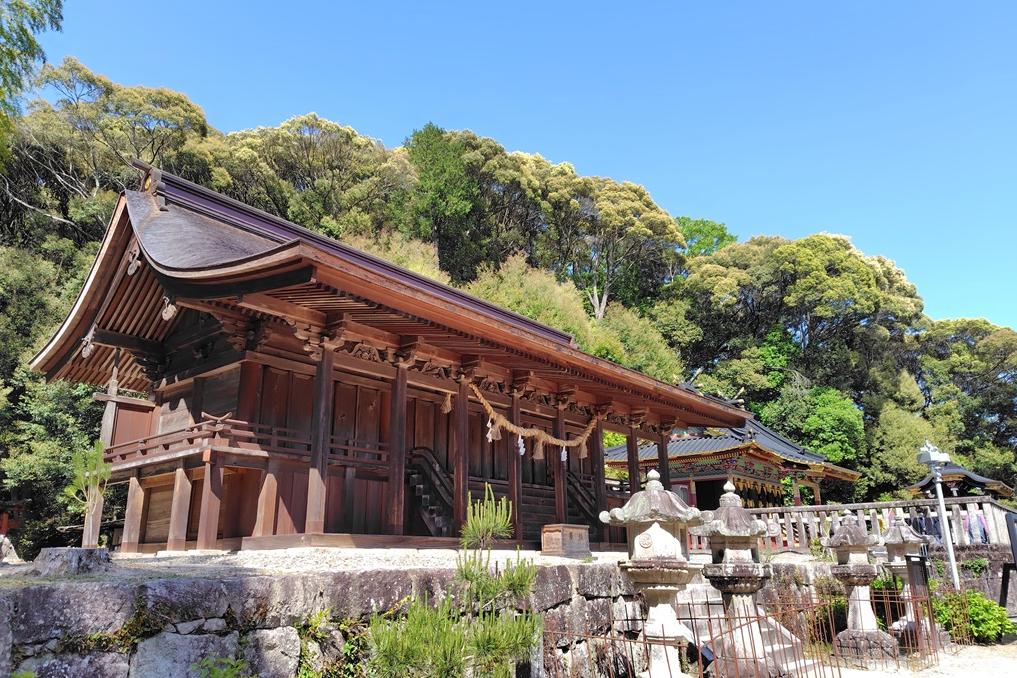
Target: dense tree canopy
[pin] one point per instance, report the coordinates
(821, 341)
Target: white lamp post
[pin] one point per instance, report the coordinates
(931, 456)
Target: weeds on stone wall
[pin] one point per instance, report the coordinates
(479, 629)
(221, 667)
(976, 567)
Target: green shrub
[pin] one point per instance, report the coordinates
(972, 615)
(476, 630)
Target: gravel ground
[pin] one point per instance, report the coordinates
(993, 661)
(296, 560)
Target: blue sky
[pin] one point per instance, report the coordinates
(891, 122)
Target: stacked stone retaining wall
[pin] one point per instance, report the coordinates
(108, 626)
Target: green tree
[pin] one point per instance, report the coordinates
(704, 237)
(822, 419)
(20, 51)
(643, 347)
(628, 248)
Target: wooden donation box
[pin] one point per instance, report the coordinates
(568, 541)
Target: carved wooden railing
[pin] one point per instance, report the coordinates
(212, 433)
(971, 520)
(353, 452)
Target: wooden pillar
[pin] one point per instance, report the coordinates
(632, 445)
(817, 499)
(321, 438)
(461, 468)
(211, 502)
(796, 490)
(560, 469)
(93, 516)
(268, 498)
(692, 492)
(132, 515)
(397, 452)
(515, 469)
(599, 484)
(663, 460)
(180, 507)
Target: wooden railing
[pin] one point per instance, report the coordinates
(214, 433)
(971, 520)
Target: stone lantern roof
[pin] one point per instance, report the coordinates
(653, 504)
(851, 534)
(731, 519)
(902, 533)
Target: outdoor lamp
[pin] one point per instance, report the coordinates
(931, 456)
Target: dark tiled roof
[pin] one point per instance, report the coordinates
(733, 438)
(955, 469)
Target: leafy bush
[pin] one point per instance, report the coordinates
(972, 615)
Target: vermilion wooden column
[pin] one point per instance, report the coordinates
(461, 469)
(132, 515)
(663, 462)
(211, 502)
(515, 470)
(321, 435)
(180, 506)
(632, 446)
(397, 453)
(559, 470)
(597, 460)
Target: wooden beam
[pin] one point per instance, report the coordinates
(397, 452)
(559, 469)
(180, 508)
(515, 470)
(632, 447)
(321, 438)
(461, 457)
(264, 303)
(211, 503)
(663, 460)
(132, 515)
(112, 339)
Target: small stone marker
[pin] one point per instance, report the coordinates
(566, 541)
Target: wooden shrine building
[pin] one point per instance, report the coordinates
(299, 391)
(755, 458)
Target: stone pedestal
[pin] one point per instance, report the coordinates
(739, 648)
(862, 642)
(564, 540)
(659, 568)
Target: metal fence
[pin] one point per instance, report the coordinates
(783, 634)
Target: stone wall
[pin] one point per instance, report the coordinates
(110, 626)
(971, 559)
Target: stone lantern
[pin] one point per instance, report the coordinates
(737, 573)
(657, 521)
(902, 541)
(862, 640)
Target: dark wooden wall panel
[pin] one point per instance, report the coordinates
(220, 393)
(131, 423)
(156, 528)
